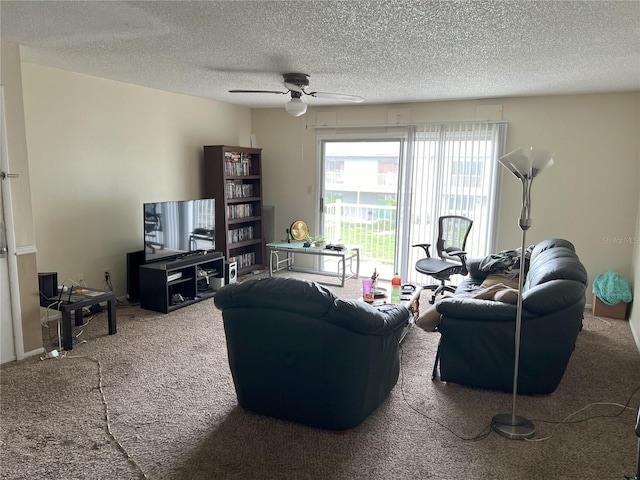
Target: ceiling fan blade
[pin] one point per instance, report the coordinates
(258, 91)
(337, 96)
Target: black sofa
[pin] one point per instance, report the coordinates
(299, 353)
(477, 336)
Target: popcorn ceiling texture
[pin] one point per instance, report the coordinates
(384, 51)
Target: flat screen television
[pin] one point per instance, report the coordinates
(178, 228)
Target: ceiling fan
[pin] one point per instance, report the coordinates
(296, 84)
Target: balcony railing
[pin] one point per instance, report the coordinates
(334, 178)
(371, 227)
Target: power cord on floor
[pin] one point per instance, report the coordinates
(484, 433)
(488, 429)
(566, 422)
(106, 413)
(58, 341)
(59, 354)
(45, 319)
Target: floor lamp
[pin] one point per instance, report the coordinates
(525, 165)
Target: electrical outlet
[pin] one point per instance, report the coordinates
(107, 275)
(81, 277)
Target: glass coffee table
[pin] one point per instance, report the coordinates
(410, 298)
(282, 256)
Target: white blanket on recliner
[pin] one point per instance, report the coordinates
(499, 292)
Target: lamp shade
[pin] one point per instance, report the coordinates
(296, 107)
(527, 163)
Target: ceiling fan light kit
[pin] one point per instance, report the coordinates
(296, 105)
(296, 84)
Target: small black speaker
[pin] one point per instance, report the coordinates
(48, 283)
(134, 260)
(230, 272)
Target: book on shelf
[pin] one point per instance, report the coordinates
(240, 234)
(237, 189)
(241, 210)
(237, 164)
(244, 260)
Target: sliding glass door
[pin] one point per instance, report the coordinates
(359, 198)
(386, 193)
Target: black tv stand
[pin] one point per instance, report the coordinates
(173, 284)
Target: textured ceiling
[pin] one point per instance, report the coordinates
(385, 51)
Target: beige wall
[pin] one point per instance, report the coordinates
(590, 195)
(99, 149)
(88, 153)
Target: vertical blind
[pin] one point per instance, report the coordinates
(452, 169)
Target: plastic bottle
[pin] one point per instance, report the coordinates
(374, 279)
(396, 283)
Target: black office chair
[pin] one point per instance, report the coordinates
(453, 231)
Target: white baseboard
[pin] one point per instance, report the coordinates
(37, 351)
(636, 337)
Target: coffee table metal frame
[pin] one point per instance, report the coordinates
(345, 258)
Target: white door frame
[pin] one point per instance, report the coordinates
(14, 323)
(400, 256)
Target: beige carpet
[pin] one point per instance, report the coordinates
(172, 407)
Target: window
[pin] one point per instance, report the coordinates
(360, 209)
(453, 170)
(391, 191)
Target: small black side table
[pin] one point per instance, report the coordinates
(75, 301)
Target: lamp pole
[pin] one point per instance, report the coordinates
(525, 165)
(514, 426)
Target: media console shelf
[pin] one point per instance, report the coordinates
(167, 286)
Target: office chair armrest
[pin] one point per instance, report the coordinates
(425, 247)
(462, 255)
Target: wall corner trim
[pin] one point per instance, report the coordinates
(25, 249)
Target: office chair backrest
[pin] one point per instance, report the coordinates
(452, 235)
(151, 222)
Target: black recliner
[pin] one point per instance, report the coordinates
(299, 353)
(477, 337)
